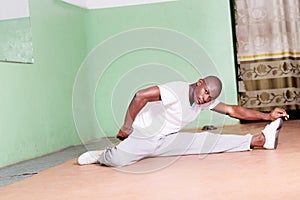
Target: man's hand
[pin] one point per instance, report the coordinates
(124, 133)
(278, 113)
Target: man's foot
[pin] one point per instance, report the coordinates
(271, 132)
(90, 157)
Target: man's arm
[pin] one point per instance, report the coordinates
(248, 114)
(140, 99)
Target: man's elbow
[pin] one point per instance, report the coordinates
(232, 111)
(139, 96)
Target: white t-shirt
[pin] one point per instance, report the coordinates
(170, 114)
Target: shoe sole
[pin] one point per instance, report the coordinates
(277, 133)
(276, 140)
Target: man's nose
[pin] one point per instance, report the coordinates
(207, 98)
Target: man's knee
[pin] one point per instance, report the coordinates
(113, 157)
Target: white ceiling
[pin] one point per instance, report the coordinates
(11, 9)
(95, 4)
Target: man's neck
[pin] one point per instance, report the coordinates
(191, 93)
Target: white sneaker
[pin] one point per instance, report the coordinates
(271, 132)
(90, 157)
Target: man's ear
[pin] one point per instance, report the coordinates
(199, 82)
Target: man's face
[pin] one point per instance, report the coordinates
(201, 93)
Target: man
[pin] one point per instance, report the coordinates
(157, 114)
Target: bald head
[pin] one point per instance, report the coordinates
(214, 85)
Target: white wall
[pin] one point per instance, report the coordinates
(11, 9)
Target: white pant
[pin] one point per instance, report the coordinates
(134, 148)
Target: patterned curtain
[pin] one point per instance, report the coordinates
(268, 45)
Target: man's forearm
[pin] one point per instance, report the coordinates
(248, 114)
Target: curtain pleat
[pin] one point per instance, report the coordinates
(268, 39)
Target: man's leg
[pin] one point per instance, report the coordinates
(205, 142)
(127, 152)
(186, 143)
(133, 149)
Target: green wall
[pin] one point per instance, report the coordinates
(36, 99)
(206, 22)
(16, 40)
(36, 112)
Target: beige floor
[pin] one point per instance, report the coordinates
(258, 174)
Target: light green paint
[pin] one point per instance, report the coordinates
(128, 74)
(36, 100)
(207, 22)
(36, 112)
(16, 40)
